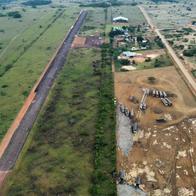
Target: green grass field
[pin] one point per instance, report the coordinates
(20, 68)
(58, 156)
(161, 61)
(94, 23)
(71, 149)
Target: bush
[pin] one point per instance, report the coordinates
(125, 62)
(190, 52)
(159, 42)
(35, 3)
(14, 14)
(151, 79)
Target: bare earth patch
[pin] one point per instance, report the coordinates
(87, 42)
(161, 154)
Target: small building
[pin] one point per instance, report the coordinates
(120, 19)
(130, 54)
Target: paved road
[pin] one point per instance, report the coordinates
(172, 53)
(11, 154)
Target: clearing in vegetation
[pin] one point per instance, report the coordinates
(162, 151)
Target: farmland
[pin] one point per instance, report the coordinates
(27, 54)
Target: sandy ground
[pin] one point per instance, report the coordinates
(167, 79)
(78, 42)
(147, 54)
(163, 155)
(127, 190)
(87, 42)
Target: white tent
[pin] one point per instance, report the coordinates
(120, 19)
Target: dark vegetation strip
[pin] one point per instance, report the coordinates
(105, 139)
(107, 4)
(9, 66)
(105, 148)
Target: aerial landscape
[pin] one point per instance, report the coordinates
(98, 97)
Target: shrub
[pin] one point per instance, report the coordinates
(35, 3)
(125, 62)
(14, 14)
(190, 52)
(151, 79)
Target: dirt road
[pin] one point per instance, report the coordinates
(11, 154)
(185, 72)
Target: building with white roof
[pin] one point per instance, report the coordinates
(120, 19)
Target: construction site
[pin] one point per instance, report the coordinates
(156, 131)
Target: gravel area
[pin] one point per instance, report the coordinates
(124, 141)
(127, 190)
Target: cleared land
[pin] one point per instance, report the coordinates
(95, 22)
(131, 12)
(166, 79)
(161, 154)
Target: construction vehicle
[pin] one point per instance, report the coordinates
(143, 105)
(168, 101)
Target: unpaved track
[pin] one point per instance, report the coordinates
(11, 154)
(185, 72)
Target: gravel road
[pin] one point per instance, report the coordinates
(191, 82)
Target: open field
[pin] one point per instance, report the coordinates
(131, 12)
(161, 154)
(95, 22)
(19, 77)
(61, 148)
(172, 15)
(66, 144)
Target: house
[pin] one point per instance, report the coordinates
(129, 54)
(120, 19)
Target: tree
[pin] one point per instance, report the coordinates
(157, 63)
(151, 79)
